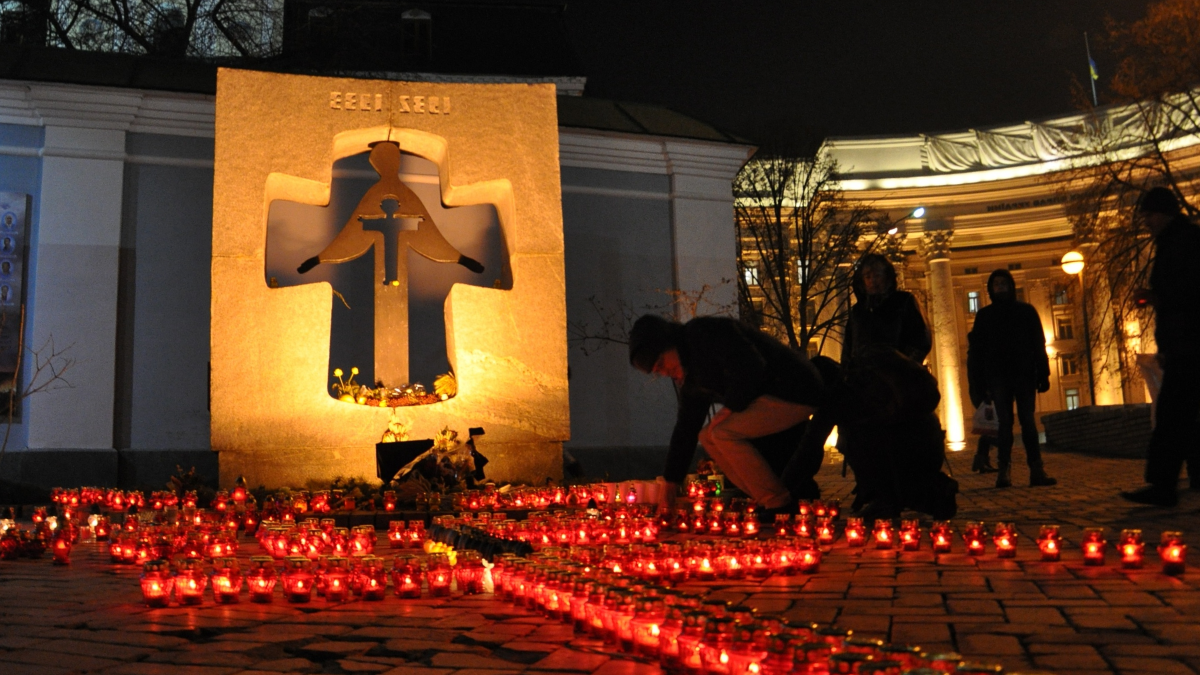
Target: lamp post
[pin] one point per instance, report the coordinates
(1073, 264)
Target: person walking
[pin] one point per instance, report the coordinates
(1174, 284)
(763, 386)
(883, 315)
(1007, 364)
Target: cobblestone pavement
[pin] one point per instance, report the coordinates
(1025, 614)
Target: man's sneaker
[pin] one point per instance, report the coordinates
(1153, 495)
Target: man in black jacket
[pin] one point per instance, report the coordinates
(764, 387)
(1006, 364)
(1174, 284)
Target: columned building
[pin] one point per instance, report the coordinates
(998, 199)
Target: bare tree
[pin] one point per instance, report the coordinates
(50, 365)
(609, 323)
(1129, 146)
(799, 242)
(207, 29)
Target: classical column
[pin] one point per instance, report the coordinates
(944, 325)
(73, 263)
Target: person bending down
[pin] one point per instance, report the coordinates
(764, 387)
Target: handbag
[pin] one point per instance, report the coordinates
(985, 422)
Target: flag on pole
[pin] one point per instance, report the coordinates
(1092, 67)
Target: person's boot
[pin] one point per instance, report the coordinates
(1038, 478)
(1004, 475)
(1154, 495)
(982, 464)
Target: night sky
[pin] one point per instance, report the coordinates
(792, 71)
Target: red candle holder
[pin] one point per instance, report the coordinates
(705, 570)
(750, 524)
(362, 540)
(226, 581)
(1132, 549)
(646, 626)
(60, 548)
(783, 524)
(882, 535)
(804, 508)
(190, 582)
(406, 576)
(910, 535)
(717, 645)
(783, 559)
(336, 580)
(298, 579)
(102, 529)
(808, 560)
(396, 534)
(856, 534)
(1005, 540)
(826, 534)
(941, 537)
(261, 579)
(1094, 546)
(760, 562)
(1173, 552)
(690, 643)
(157, 583)
(468, 573)
(389, 500)
(1050, 543)
(437, 575)
(803, 526)
(975, 538)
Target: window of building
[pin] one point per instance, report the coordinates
(802, 271)
(973, 302)
(1020, 295)
(1068, 364)
(814, 348)
(1014, 266)
(1072, 396)
(1066, 328)
(971, 270)
(416, 33)
(1061, 297)
(751, 273)
(810, 312)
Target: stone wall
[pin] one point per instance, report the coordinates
(1107, 430)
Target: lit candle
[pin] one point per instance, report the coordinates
(783, 524)
(760, 563)
(396, 534)
(910, 535)
(1132, 549)
(261, 579)
(646, 626)
(855, 533)
(825, 532)
(406, 577)
(437, 575)
(750, 525)
(157, 583)
(883, 536)
(941, 537)
(1094, 546)
(190, 582)
(784, 559)
(1173, 552)
(468, 573)
(1050, 543)
(298, 579)
(226, 581)
(808, 560)
(60, 547)
(803, 526)
(975, 537)
(1005, 539)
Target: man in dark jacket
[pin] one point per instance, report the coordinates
(1006, 364)
(883, 315)
(764, 387)
(1174, 284)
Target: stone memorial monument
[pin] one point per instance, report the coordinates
(277, 138)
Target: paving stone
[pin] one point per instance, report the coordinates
(990, 644)
(293, 665)
(1152, 665)
(571, 660)
(450, 660)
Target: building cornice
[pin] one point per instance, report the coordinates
(584, 148)
(88, 107)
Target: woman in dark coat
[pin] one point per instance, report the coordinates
(883, 315)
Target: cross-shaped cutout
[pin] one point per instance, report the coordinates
(391, 225)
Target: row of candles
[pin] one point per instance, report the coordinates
(337, 579)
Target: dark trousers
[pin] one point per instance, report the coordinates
(1175, 438)
(1004, 395)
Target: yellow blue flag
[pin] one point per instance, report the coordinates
(1092, 68)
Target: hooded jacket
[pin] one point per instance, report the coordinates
(892, 318)
(1006, 345)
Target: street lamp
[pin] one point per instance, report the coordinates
(1073, 264)
(917, 213)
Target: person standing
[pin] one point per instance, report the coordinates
(1174, 284)
(1007, 364)
(883, 315)
(763, 386)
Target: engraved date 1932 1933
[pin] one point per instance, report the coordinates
(417, 105)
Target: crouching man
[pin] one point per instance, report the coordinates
(764, 388)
